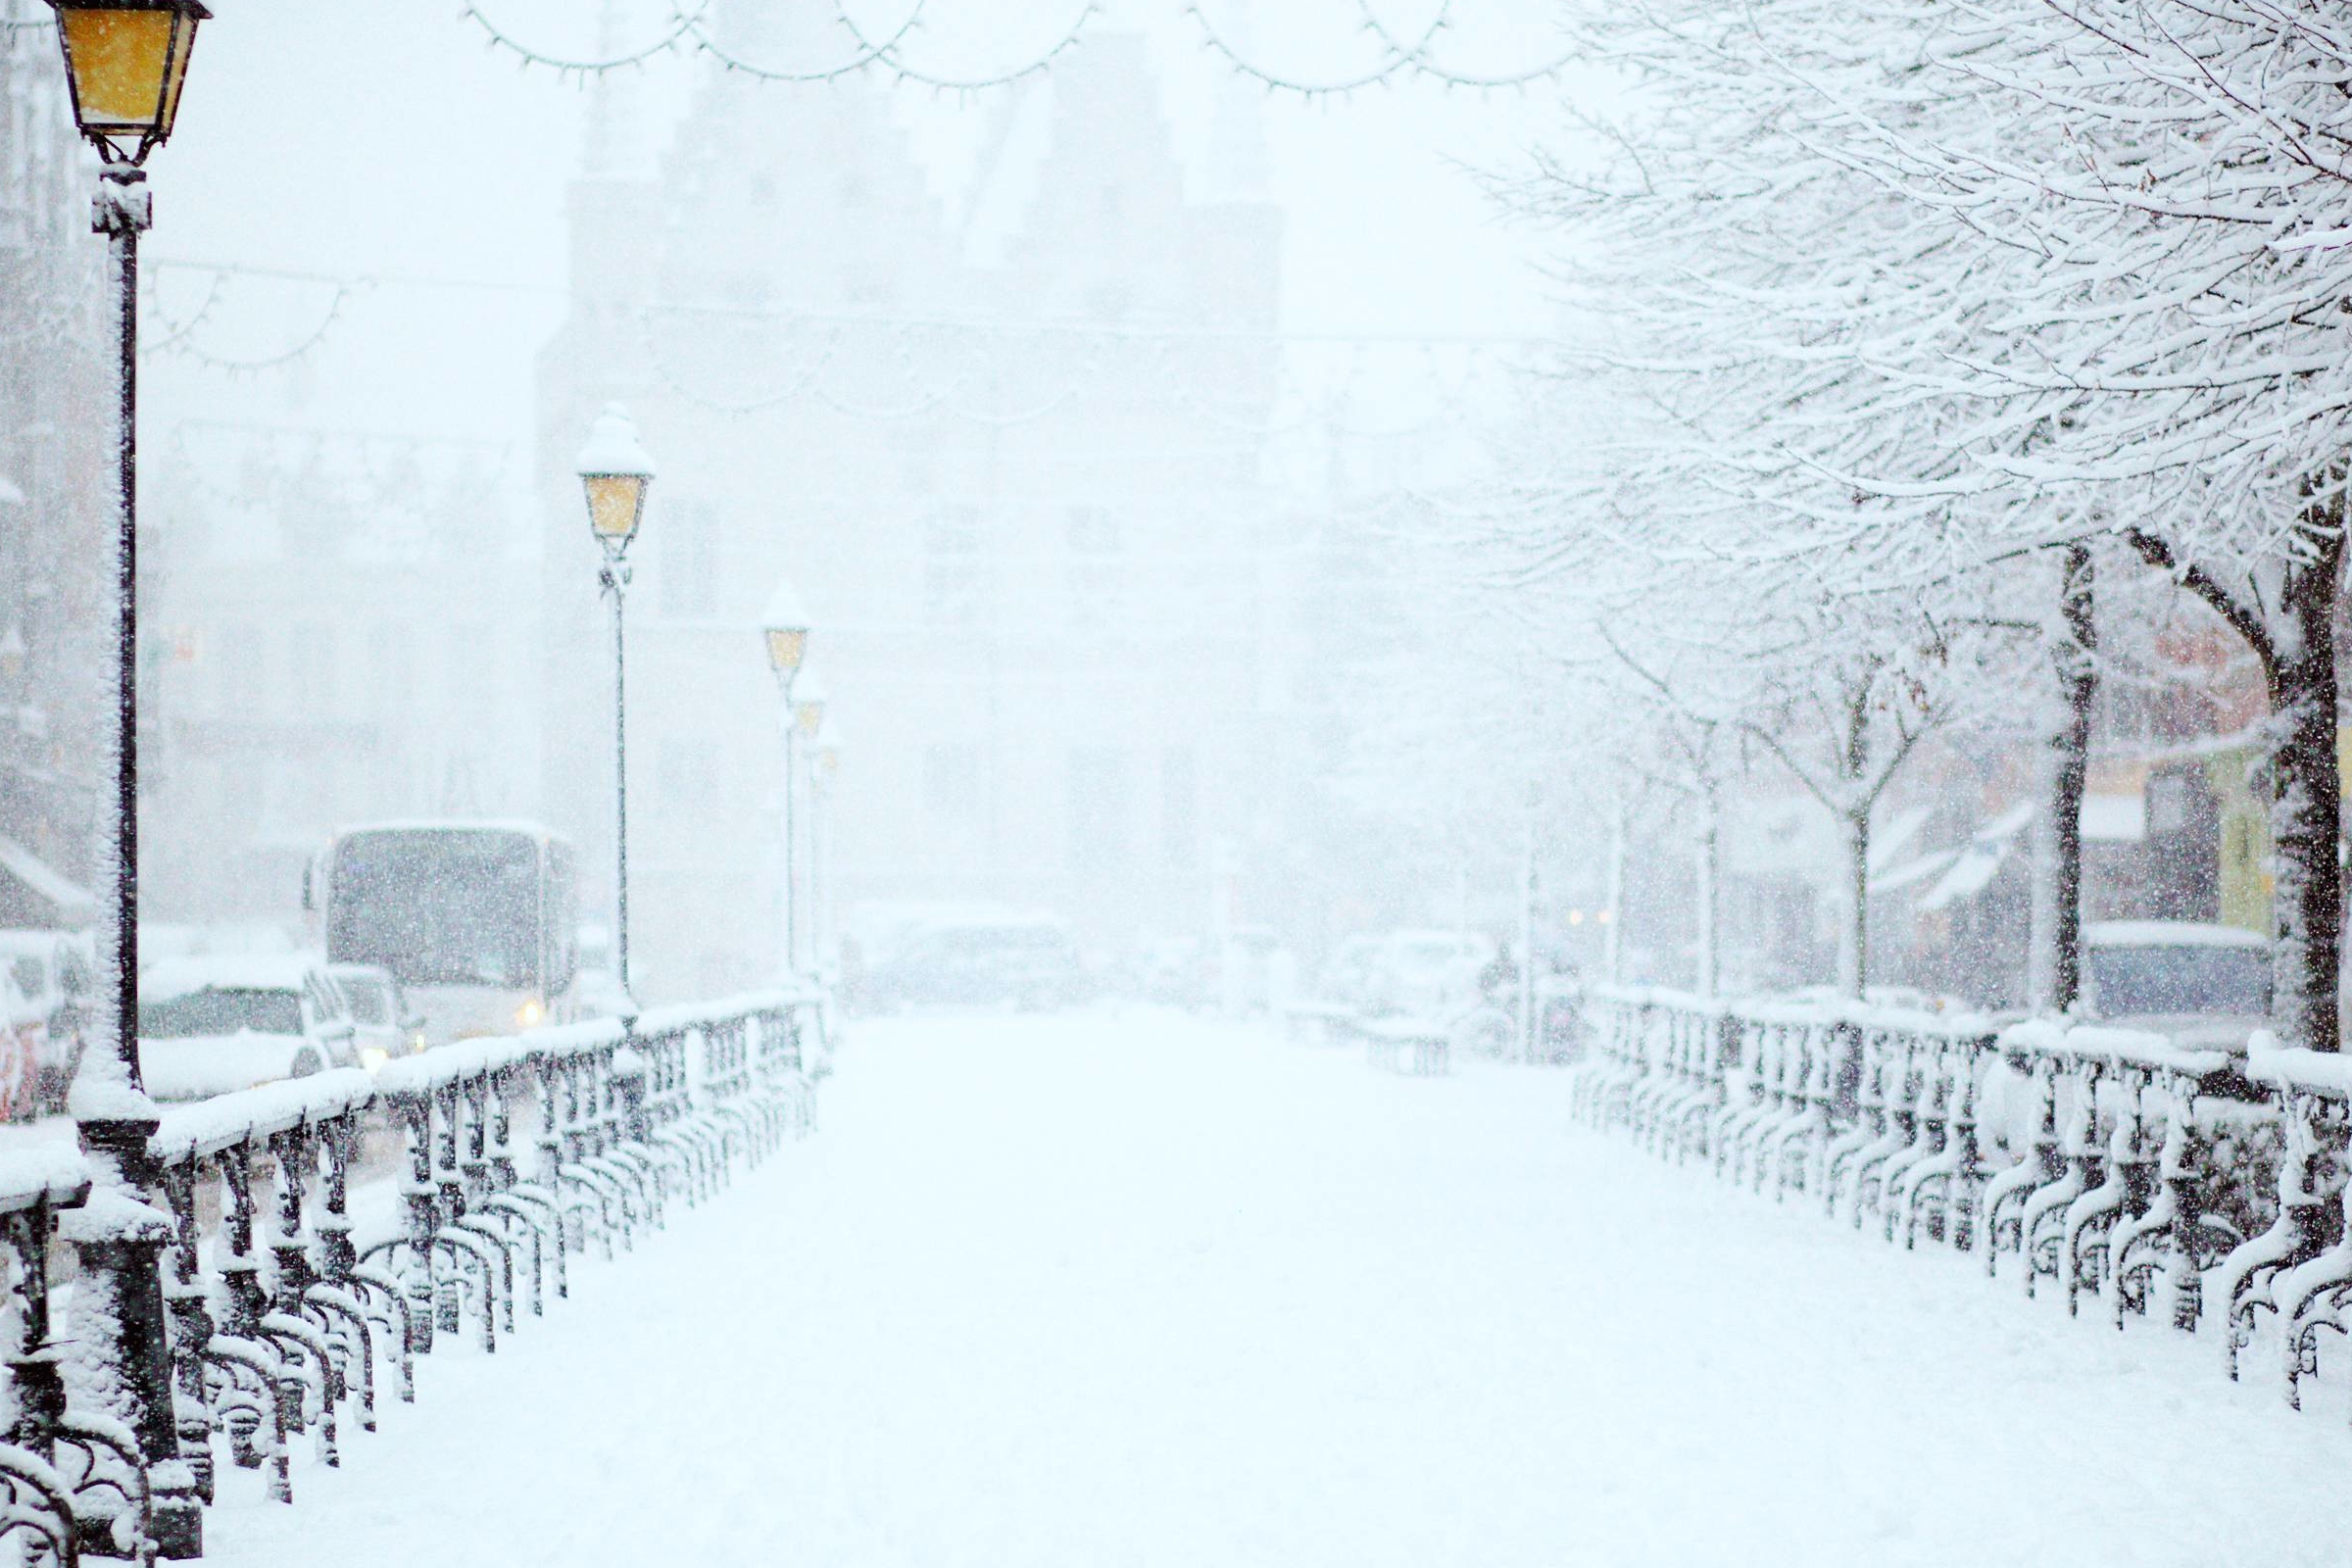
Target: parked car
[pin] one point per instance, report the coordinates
(599, 995)
(1030, 963)
(2203, 985)
(24, 1046)
(1167, 971)
(211, 1025)
(55, 972)
(1347, 975)
(1427, 973)
(383, 1024)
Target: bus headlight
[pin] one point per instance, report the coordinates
(372, 1058)
(529, 1015)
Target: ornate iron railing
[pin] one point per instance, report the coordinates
(2116, 1167)
(288, 1314)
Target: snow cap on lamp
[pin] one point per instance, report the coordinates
(616, 471)
(784, 625)
(809, 701)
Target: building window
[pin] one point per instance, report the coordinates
(313, 667)
(1094, 530)
(953, 531)
(1097, 818)
(952, 782)
(1098, 595)
(689, 546)
(1179, 805)
(952, 573)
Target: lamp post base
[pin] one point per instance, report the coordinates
(121, 1347)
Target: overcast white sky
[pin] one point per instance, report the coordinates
(385, 139)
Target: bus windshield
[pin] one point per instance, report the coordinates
(437, 906)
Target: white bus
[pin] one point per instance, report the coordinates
(480, 920)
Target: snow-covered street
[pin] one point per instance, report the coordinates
(1127, 1289)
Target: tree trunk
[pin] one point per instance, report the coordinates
(1612, 939)
(1527, 939)
(1853, 942)
(2054, 961)
(2307, 798)
(1710, 841)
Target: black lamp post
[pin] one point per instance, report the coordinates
(126, 61)
(822, 776)
(785, 632)
(803, 722)
(616, 474)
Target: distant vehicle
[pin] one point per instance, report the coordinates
(1168, 970)
(479, 922)
(2206, 985)
(1030, 963)
(1559, 1016)
(1427, 973)
(1253, 971)
(382, 1022)
(1347, 974)
(209, 1026)
(54, 970)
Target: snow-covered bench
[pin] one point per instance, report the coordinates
(1420, 1047)
(1317, 1023)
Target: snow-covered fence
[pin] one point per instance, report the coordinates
(283, 1305)
(2118, 1166)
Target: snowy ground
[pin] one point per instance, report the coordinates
(1132, 1291)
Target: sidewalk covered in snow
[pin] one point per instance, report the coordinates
(1121, 1289)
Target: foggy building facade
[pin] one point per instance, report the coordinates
(1014, 478)
(57, 516)
(340, 630)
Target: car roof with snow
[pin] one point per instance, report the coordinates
(42, 941)
(426, 825)
(2169, 934)
(227, 972)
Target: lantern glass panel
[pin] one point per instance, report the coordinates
(183, 27)
(122, 62)
(613, 503)
(786, 647)
(812, 716)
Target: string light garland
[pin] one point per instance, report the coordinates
(687, 33)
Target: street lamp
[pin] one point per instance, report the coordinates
(126, 61)
(803, 718)
(615, 473)
(784, 632)
(820, 839)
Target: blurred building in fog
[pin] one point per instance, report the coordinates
(341, 629)
(1010, 459)
(56, 514)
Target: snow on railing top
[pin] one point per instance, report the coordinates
(2136, 1048)
(1807, 1011)
(226, 1120)
(1657, 997)
(2327, 1074)
(30, 1176)
(694, 1015)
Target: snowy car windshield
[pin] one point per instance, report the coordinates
(221, 1012)
(2165, 980)
(369, 1003)
(438, 907)
(980, 942)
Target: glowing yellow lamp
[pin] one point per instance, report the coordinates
(615, 472)
(124, 62)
